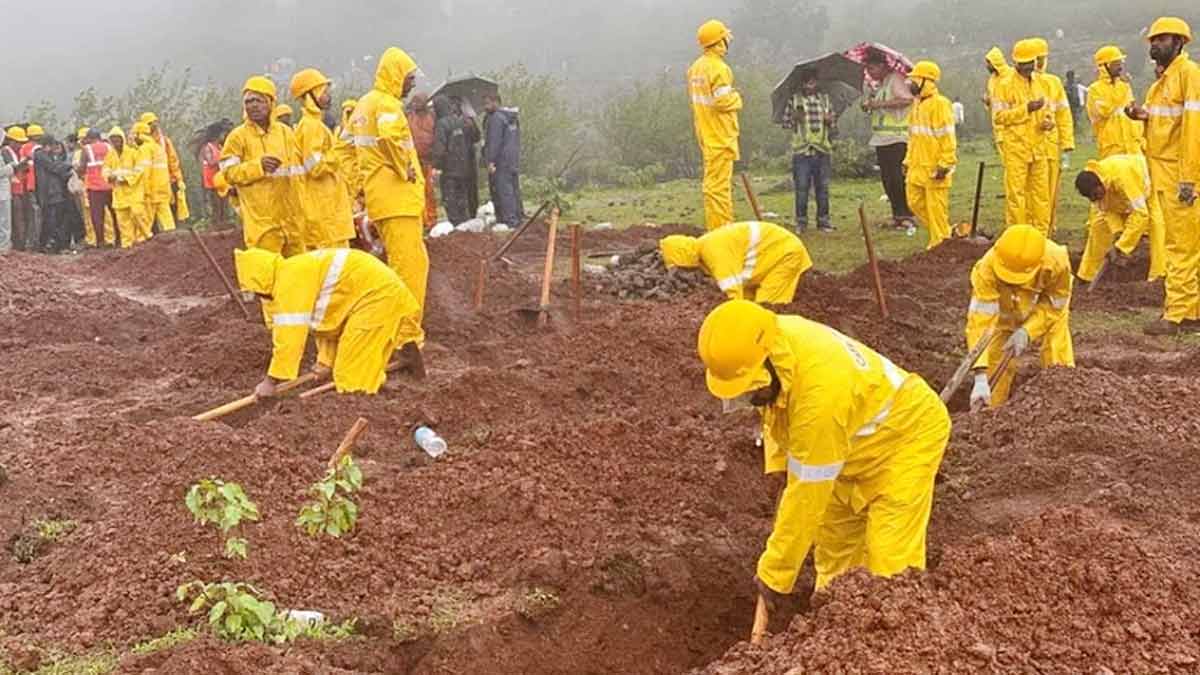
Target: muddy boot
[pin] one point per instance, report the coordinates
(1190, 326)
(411, 361)
(1161, 327)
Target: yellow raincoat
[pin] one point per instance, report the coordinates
(158, 188)
(269, 205)
(175, 169)
(1173, 153)
(128, 179)
(715, 106)
(753, 261)
(864, 440)
(329, 222)
(1042, 306)
(1026, 171)
(1116, 133)
(996, 57)
(1061, 138)
(1129, 210)
(357, 309)
(345, 154)
(392, 179)
(932, 144)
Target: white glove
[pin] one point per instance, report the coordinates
(1066, 159)
(981, 393)
(1018, 343)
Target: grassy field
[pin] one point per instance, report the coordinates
(842, 250)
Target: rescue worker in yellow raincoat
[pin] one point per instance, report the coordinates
(1172, 116)
(1019, 110)
(78, 161)
(261, 162)
(1107, 99)
(282, 113)
(1124, 207)
(1060, 131)
(393, 182)
(932, 152)
(715, 106)
(1021, 290)
(158, 185)
(329, 222)
(863, 439)
(345, 154)
(998, 69)
(123, 170)
(756, 261)
(357, 309)
(179, 208)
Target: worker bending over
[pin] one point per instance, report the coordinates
(392, 178)
(1019, 111)
(1059, 126)
(1124, 207)
(358, 310)
(715, 106)
(1172, 117)
(863, 438)
(1020, 290)
(328, 219)
(261, 163)
(762, 262)
(1107, 99)
(932, 152)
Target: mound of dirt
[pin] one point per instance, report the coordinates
(643, 275)
(169, 263)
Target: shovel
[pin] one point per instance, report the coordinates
(541, 313)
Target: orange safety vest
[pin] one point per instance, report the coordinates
(30, 176)
(95, 153)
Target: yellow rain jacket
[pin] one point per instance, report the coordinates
(122, 170)
(996, 57)
(1173, 132)
(1042, 306)
(1129, 210)
(346, 156)
(386, 153)
(269, 205)
(1021, 130)
(1116, 133)
(329, 221)
(758, 261)
(864, 441)
(158, 189)
(932, 144)
(356, 307)
(1062, 137)
(174, 168)
(715, 103)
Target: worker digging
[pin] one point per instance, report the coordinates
(508, 364)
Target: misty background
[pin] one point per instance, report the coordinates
(600, 85)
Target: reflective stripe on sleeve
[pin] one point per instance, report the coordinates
(1165, 110)
(330, 283)
(296, 319)
(386, 118)
(982, 307)
(1191, 106)
(229, 162)
(313, 160)
(930, 131)
(366, 141)
(814, 473)
(1139, 204)
(722, 91)
(1059, 303)
(700, 99)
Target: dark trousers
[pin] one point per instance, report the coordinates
(891, 171)
(814, 170)
(455, 199)
(54, 227)
(21, 215)
(506, 196)
(100, 201)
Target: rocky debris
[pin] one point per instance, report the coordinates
(642, 275)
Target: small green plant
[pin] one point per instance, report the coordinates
(224, 505)
(236, 611)
(177, 637)
(53, 529)
(331, 511)
(538, 602)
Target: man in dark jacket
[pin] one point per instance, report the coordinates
(453, 139)
(472, 184)
(61, 224)
(502, 153)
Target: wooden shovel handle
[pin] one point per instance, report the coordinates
(347, 444)
(761, 618)
(247, 401)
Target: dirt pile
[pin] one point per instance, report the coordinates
(169, 264)
(643, 275)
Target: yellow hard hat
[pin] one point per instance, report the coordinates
(1042, 47)
(926, 70)
(1024, 51)
(34, 130)
(83, 131)
(1019, 253)
(17, 134)
(1170, 25)
(1108, 54)
(116, 131)
(281, 110)
(679, 250)
(148, 118)
(256, 269)
(711, 32)
(140, 128)
(307, 80)
(349, 104)
(734, 342)
(260, 85)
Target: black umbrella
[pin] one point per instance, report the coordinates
(470, 88)
(837, 76)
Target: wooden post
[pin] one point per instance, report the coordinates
(750, 196)
(576, 282)
(879, 297)
(978, 196)
(548, 271)
(347, 444)
(221, 273)
(761, 618)
(479, 282)
(521, 230)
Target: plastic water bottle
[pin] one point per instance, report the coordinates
(430, 442)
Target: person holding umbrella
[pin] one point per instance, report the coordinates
(888, 105)
(811, 118)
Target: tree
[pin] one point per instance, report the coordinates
(789, 29)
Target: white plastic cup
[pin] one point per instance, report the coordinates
(429, 441)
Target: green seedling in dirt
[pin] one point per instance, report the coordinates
(331, 511)
(53, 530)
(236, 611)
(32, 542)
(224, 505)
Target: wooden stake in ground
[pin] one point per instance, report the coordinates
(750, 196)
(978, 196)
(247, 401)
(965, 367)
(576, 282)
(542, 311)
(761, 618)
(237, 297)
(520, 230)
(360, 425)
(479, 282)
(879, 297)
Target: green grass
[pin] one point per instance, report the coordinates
(175, 638)
(54, 529)
(99, 663)
(680, 202)
(1095, 323)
